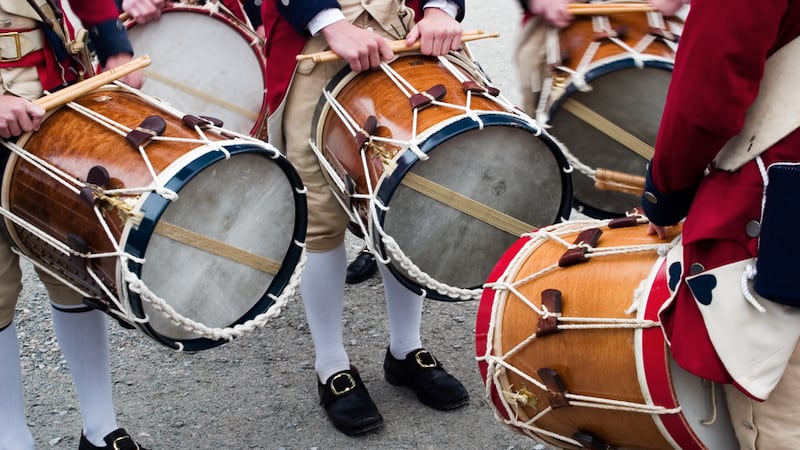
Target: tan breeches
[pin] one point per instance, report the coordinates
(772, 424)
(327, 219)
(11, 284)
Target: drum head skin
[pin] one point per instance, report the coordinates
(613, 126)
(205, 64)
(494, 180)
(223, 250)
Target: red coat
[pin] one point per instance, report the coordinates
(100, 18)
(718, 68)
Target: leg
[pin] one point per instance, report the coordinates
(408, 364)
(83, 339)
(772, 424)
(14, 432)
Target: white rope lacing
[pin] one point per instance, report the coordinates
(498, 365)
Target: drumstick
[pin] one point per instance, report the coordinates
(612, 180)
(397, 46)
(595, 9)
(76, 90)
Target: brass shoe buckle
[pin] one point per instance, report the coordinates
(343, 375)
(429, 364)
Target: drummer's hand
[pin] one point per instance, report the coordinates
(133, 79)
(553, 12)
(362, 48)
(667, 7)
(658, 230)
(438, 33)
(18, 115)
(143, 11)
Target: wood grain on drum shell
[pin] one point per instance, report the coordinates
(74, 144)
(375, 95)
(629, 28)
(590, 362)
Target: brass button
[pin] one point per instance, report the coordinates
(696, 268)
(650, 197)
(753, 228)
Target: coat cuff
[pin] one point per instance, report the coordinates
(665, 208)
(109, 38)
(299, 13)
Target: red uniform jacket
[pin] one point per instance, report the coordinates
(718, 68)
(106, 33)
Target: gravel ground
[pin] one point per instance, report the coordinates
(259, 391)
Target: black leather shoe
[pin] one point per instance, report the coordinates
(118, 439)
(348, 404)
(363, 267)
(425, 375)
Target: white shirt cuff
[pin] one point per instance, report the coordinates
(447, 6)
(323, 19)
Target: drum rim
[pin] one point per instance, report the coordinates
(137, 240)
(406, 160)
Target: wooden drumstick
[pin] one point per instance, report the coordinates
(397, 46)
(602, 9)
(76, 90)
(612, 180)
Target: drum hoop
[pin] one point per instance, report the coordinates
(254, 41)
(655, 378)
(405, 160)
(136, 240)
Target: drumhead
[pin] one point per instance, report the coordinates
(249, 202)
(499, 181)
(206, 65)
(628, 97)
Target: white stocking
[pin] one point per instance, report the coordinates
(83, 339)
(14, 432)
(404, 309)
(322, 288)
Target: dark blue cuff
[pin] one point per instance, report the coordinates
(253, 10)
(298, 13)
(665, 209)
(110, 38)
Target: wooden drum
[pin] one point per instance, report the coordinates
(604, 97)
(570, 347)
(437, 169)
(156, 217)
